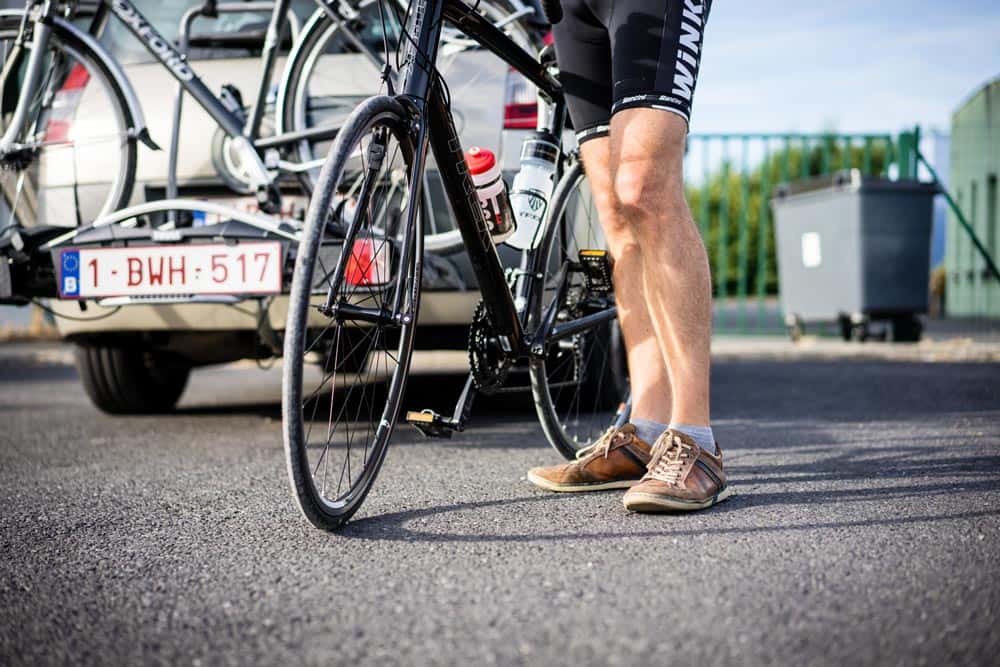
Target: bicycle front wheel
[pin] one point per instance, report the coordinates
(352, 315)
(75, 159)
(580, 385)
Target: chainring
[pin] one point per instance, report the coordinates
(488, 361)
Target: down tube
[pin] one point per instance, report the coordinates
(465, 205)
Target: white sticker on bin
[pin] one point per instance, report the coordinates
(812, 253)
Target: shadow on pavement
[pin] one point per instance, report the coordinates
(894, 473)
(394, 526)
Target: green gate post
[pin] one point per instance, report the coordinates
(909, 143)
(804, 159)
(722, 255)
(744, 247)
(824, 167)
(763, 228)
(706, 191)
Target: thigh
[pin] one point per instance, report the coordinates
(656, 50)
(583, 50)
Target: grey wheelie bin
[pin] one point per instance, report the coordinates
(853, 250)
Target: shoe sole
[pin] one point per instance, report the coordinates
(648, 502)
(580, 488)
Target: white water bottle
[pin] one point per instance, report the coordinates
(492, 192)
(532, 188)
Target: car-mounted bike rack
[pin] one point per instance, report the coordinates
(285, 228)
(209, 9)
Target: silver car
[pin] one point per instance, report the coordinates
(153, 347)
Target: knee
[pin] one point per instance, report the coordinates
(643, 191)
(650, 199)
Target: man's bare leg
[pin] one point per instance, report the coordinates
(647, 152)
(650, 384)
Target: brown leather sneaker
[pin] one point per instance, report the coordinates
(617, 460)
(681, 476)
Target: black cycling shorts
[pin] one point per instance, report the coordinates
(620, 54)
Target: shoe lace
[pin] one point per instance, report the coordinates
(667, 458)
(602, 445)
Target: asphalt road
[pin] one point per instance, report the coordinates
(866, 529)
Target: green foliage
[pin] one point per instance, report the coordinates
(736, 220)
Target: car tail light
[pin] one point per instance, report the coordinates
(520, 110)
(64, 104)
(367, 265)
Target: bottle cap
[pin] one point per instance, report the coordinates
(480, 160)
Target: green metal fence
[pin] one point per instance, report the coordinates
(731, 179)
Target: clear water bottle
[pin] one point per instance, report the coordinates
(532, 188)
(492, 192)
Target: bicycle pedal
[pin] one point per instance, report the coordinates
(596, 265)
(430, 423)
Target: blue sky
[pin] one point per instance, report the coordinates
(852, 65)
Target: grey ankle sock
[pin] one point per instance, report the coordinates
(648, 430)
(702, 436)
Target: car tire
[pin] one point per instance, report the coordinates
(127, 380)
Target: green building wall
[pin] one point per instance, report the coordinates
(975, 165)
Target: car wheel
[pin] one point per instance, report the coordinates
(127, 380)
(906, 329)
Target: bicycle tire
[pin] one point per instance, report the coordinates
(120, 195)
(601, 368)
(322, 511)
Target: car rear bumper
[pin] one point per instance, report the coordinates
(438, 308)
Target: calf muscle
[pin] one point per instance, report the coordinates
(650, 384)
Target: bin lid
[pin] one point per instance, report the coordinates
(849, 180)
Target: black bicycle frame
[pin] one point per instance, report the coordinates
(426, 94)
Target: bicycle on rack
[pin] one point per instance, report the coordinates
(356, 289)
(49, 58)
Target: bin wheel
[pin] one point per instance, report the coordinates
(860, 332)
(846, 327)
(906, 329)
(796, 328)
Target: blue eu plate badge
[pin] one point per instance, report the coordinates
(69, 274)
